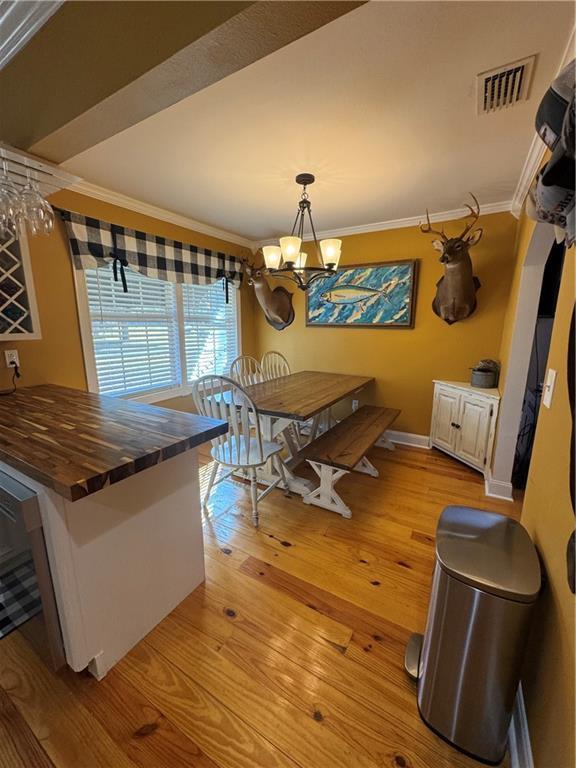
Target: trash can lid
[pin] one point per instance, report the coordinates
(490, 552)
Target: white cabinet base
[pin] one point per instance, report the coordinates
(122, 558)
(464, 422)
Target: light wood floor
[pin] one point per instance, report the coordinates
(291, 653)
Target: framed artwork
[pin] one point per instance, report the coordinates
(365, 296)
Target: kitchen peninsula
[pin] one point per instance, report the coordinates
(118, 493)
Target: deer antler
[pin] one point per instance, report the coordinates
(427, 228)
(475, 215)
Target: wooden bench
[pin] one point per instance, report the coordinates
(342, 450)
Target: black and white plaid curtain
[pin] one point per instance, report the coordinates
(95, 243)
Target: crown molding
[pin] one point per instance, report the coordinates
(411, 221)
(132, 204)
(537, 147)
(19, 22)
(529, 170)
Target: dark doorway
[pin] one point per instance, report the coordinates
(538, 364)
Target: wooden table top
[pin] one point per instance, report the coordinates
(76, 442)
(304, 394)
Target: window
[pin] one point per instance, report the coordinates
(210, 329)
(159, 336)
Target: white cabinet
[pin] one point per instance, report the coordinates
(464, 422)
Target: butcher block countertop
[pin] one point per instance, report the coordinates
(76, 442)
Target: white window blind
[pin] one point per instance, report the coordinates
(134, 334)
(137, 339)
(210, 329)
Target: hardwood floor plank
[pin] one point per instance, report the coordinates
(221, 734)
(395, 722)
(323, 601)
(282, 607)
(385, 740)
(300, 737)
(18, 746)
(69, 734)
(141, 730)
(386, 594)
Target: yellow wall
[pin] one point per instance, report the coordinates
(57, 357)
(403, 361)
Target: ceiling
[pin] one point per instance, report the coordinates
(379, 104)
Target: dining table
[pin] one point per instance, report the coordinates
(293, 400)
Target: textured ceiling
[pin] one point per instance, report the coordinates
(379, 104)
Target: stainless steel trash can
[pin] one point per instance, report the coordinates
(486, 581)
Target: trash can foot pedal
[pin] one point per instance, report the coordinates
(412, 656)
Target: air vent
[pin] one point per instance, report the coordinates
(505, 86)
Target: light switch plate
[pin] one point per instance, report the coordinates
(549, 387)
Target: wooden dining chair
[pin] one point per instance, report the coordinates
(274, 365)
(246, 370)
(243, 446)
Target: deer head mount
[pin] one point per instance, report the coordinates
(456, 292)
(276, 304)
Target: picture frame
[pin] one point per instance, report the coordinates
(373, 295)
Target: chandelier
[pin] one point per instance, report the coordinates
(287, 260)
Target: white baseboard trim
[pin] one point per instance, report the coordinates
(404, 438)
(519, 736)
(498, 489)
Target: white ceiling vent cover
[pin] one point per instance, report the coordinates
(504, 86)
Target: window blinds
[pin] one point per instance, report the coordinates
(210, 330)
(139, 343)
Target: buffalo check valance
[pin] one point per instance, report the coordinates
(95, 243)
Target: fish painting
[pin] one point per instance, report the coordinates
(371, 295)
(349, 293)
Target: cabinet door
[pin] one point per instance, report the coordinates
(472, 436)
(446, 404)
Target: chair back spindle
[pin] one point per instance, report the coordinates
(246, 370)
(274, 365)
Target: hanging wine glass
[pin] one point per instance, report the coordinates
(10, 204)
(35, 212)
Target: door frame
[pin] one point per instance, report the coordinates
(498, 484)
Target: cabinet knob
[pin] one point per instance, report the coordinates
(453, 424)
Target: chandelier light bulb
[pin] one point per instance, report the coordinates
(330, 250)
(272, 256)
(300, 262)
(290, 247)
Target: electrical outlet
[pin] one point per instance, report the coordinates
(11, 357)
(354, 405)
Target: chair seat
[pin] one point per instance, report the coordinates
(229, 455)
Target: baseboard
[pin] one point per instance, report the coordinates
(404, 438)
(519, 736)
(498, 489)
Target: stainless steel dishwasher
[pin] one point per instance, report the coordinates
(22, 541)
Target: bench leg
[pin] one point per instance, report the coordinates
(366, 466)
(385, 442)
(325, 495)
